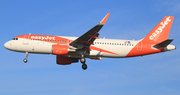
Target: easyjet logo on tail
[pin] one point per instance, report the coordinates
(160, 28)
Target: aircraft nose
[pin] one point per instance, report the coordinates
(7, 45)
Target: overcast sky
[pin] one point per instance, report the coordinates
(157, 74)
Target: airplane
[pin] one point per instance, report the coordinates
(72, 49)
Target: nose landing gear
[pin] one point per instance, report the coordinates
(25, 60)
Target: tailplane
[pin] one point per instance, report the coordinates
(163, 44)
(160, 32)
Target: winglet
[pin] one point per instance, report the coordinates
(103, 21)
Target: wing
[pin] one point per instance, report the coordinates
(88, 38)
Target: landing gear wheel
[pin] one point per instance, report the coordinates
(25, 60)
(84, 66)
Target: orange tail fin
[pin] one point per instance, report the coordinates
(161, 31)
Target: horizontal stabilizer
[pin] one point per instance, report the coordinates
(164, 43)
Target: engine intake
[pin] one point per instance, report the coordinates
(60, 49)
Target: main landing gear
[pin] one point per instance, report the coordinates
(25, 60)
(84, 66)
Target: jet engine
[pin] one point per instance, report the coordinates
(62, 60)
(60, 49)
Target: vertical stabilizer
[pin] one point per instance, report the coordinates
(161, 31)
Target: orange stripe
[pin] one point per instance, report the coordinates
(102, 50)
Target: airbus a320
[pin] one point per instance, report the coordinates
(72, 49)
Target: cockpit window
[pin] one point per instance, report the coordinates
(15, 38)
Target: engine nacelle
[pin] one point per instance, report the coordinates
(62, 60)
(60, 49)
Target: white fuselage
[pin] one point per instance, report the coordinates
(106, 47)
